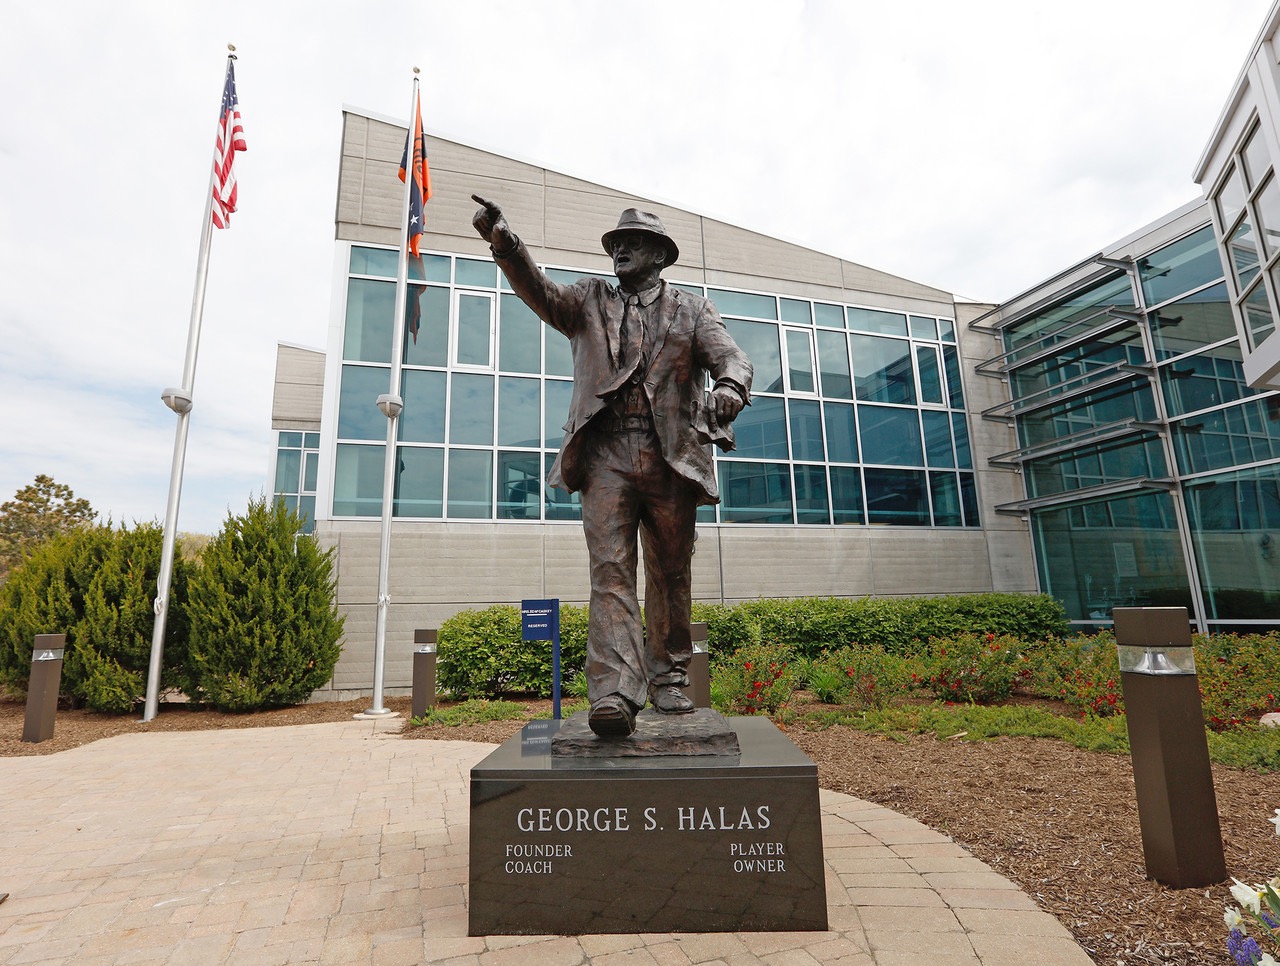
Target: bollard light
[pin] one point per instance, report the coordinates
(1177, 808)
(424, 671)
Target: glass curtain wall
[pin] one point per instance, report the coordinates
(857, 414)
(297, 468)
(1153, 413)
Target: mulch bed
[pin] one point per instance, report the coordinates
(1060, 822)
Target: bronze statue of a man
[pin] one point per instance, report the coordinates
(636, 448)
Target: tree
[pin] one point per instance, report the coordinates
(37, 512)
(264, 627)
(96, 585)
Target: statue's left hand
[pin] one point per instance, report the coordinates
(727, 404)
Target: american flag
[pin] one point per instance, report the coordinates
(230, 140)
(420, 189)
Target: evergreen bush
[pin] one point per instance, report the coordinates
(264, 627)
(95, 585)
(481, 654)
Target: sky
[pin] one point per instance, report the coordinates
(979, 148)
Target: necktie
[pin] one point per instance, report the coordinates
(630, 334)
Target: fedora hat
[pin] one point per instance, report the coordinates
(644, 221)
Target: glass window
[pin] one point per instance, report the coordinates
(471, 409)
(519, 486)
(951, 361)
(946, 500)
(1186, 264)
(1114, 553)
(882, 370)
(1212, 378)
(419, 482)
(846, 494)
(930, 374)
(470, 484)
(519, 413)
(755, 492)
(761, 429)
(806, 430)
(559, 353)
(1244, 253)
(833, 363)
(374, 261)
(811, 494)
(422, 420)
(471, 271)
(475, 330)
(842, 433)
(561, 504)
(310, 471)
(1230, 198)
(371, 308)
(963, 458)
(875, 320)
(290, 439)
(358, 413)
(520, 343)
(969, 500)
(947, 329)
(559, 396)
(1268, 208)
(827, 314)
(923, 327)
(307, 510)
(797, 310)
(1236, 517)
(429, 346)
(890, 435)
(800, 360)
(1248, 433)
(1197, 320)
(1255, 157)
(311, 440)
(357, 481)
(744, 303)
(759, 340)
(288, 468)
(1258, 315)
(937, 439)
(896, 497)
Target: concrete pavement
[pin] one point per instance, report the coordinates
(342, 843)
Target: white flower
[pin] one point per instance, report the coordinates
(1247, 896)
(1232, 918)
(1275, 820)
(1267, 960)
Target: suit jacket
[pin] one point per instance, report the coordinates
(690, 341)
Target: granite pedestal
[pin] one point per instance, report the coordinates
(584, 845)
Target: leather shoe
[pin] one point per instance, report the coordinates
(612, 717)
(670, 700)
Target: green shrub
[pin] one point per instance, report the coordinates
(264, 627)
(481, 654)
(975, 667)
(758, 678)
(1239, 677)
(95, 585)
(900, 625)
(1249, 746)
(863, 677)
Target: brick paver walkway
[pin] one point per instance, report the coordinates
(341, 843)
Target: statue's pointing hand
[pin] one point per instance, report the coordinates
(491, 225)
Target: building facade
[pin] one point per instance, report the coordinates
(861, 468)
(1110, 437)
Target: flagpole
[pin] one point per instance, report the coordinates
(391, 404)
(180, 401)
